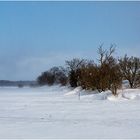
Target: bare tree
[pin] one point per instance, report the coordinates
(130, 68)
(109, 72)
(115, 79)
(86, 75)
(75, 63)
(73, 66)
(103, 76)
(56, 75)
(46, 78)
(104, 55)
(60, 75)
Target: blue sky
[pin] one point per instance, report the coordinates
(35, 36)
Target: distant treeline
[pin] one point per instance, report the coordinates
(17, 83)
(105, 74)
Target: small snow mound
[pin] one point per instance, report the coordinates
(113, 98)
(94, 96)
(74, 92)
(88, 94)
(126, 94)
(101, 96)
(131, 95)
(119, 97)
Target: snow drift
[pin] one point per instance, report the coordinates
(57, 112)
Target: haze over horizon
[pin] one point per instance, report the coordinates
(35, 36)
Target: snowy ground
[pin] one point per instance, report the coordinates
(57, 112)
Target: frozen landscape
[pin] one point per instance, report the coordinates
(48, 47)
(57, 112)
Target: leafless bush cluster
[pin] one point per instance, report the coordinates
(56, 75)
(106, 74)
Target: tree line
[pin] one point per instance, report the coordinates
(105, 74)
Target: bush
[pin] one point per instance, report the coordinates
(103, 76)
(56, 75)
(46, 78)
(130, 69)
(73, 66)
(107, 74)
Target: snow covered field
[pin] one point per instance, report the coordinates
(57, 112)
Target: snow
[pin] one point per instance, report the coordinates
(57, 112)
